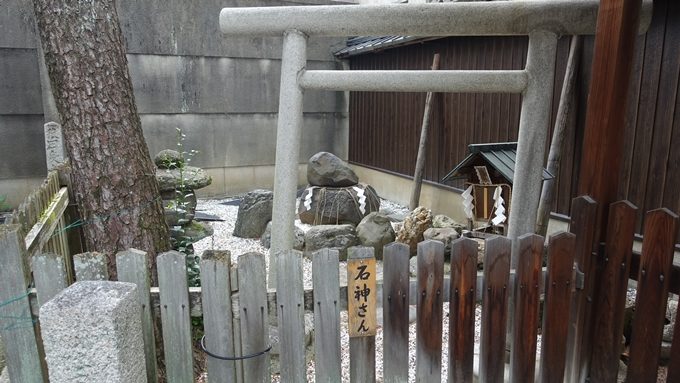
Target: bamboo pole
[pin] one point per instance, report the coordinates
(420, 160)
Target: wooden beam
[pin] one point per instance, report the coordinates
(42, 231)
(617, 26)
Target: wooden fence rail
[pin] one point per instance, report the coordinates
(237, 308)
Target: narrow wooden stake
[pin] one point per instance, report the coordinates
(174, 297)
(661, 229)
(16, 322)
(564, 112)
(422, 148)
(583, 217)
(395, 312)
(254, 317)
(133, 266)
(326, 280)
(525, 325)
(362, 348)
(494, 309)
(429, 324)
(217, 323)
(290, 311)
(557, 300)
(610, 301)
(462, 308)
(49, 275)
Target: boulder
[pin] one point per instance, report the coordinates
(168, 159)
(299, 240)
(325, 205)
(375, 230)
(254, 212)
(186, 178)
(414, 226)
(671, 311)
(338, 237)
(325, 169)
(444, 235)
(443, 221)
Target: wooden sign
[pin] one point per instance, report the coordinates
(361, 295)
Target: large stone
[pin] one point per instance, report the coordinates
(414, 226)
(254, 212)
(375, 230)
(444, 235)
(186, 178)
(338, 237)
(298, 241)
(326, 169)
(168, 159)
(92, 332)
(179, 206)
(334, 206)
(671, 311)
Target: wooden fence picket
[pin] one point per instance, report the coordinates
(254, 317)
(462, 310)
(361, 349)
(583, 219)
(558, 289)
(16, 323)
(495, 294)
(217, 309)
(395, 312)
(290, 310)
(658, 245)
(49, 275)
(91, 266)
(326, 284)
(525, 323)
(674, 363)
(133, 266)
(430, 276)
(610, 299)
(175, 319)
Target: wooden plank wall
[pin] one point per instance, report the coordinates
(384, 127)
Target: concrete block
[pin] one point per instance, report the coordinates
(190, 84)
(20, 91)
(190, 28)
(22, 150)
(238, 139)
(17, 24)
(92, 332)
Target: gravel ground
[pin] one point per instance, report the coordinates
(227, 209)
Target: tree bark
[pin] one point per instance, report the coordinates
(112, 173)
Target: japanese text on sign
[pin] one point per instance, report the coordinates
(361, 300)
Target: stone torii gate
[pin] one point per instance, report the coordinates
(542, 20)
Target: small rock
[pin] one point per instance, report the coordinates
(298, 241)
(326, 169)
(444, 235)
(254, 212)
(671, 311)
(375, 230)
(337, 205)
(339, 237)
(168, 159)
(414, 226)
(443, 221)
(187, 178)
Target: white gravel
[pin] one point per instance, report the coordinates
(223, 240)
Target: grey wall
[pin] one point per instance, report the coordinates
(222, 92)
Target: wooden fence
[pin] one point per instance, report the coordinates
(587, 287)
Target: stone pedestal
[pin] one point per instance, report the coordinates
(92, 332)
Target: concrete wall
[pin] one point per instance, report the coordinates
(222, 92)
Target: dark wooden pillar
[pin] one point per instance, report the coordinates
(617, 27)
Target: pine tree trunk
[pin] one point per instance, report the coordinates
(112, 172)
